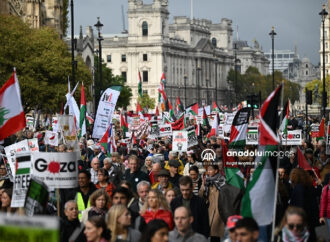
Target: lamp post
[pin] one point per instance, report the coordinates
(323, 15)
(99, 26)
(216, 80)
(198, 72)
(272, 35)
(235, 50)
(185, 90)
(72, 45)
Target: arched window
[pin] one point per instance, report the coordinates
(144, 28)
(214, 42)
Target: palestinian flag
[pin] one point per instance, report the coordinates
(321, 134)
(82, 116)
(12, 117)
(178, 124)
(205, 119)
(171, 111)
(215, 107)
(138, 107)
(284, 124)
(179, 106)
(104, 141)
(239, 128)
(89, 120)
(123, 124)
(215, 127)
(140, 86)
(258, 200)
(302, 162)
(193, 109)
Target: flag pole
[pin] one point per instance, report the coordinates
(277, 176)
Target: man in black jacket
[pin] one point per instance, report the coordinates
(196, 204)
(133, 175)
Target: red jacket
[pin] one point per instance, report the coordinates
(325, 202)
(159, 214)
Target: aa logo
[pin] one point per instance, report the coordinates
(208, 155)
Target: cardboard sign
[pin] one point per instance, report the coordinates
(29, 229)
(252, 136)
(294, 137)
(22, 179)
(180, 141)
(56, 170)
(192, 137)
(165, 130)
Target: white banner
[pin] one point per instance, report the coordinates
(294, 137)
(105, 112)
(165, 130)
(22, 179)
(154, 130)
(221, 133)
(51, 138)
(229, 118)
(180, 141)
(56, 170)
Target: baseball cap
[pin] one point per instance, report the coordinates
(231, 221)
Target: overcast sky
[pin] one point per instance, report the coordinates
(295, 21)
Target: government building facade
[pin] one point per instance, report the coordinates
(195, 55)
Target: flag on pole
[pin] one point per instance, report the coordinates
(215, 127)
(205, 119)
(321, 134)
(284, 124)
(258, 200)
(215, 107)
(171, 111)
(12, 117)
(104, 141)
(179, 106)
(193, 109)
(140, 86)
(302, 162)
(123, 124)
(82, 121)
(138, 107)
(239, 128)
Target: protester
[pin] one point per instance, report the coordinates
(6, 195)
(156, 208)
(325, 206)
(4, 177)
(196, 205)
(103, 177)
(95, 168)
(156, 231)
(143, 188)
(100, 202)
(163, 185)
(114, 171)
(246, 230)
(119, 221)
(293, 226)
(96, 230)
(174, 177)
(230, 227)
(70, 223)
(196, 179)
(147, 167)
(170, 194)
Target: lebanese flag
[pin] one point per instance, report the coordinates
(12, 117)
(239, 128)
(215, 127)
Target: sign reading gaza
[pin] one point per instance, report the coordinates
(56, 170)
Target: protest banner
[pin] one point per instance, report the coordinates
(252, 135)
(229, 117)
(192, 137)
(22, 179)
(56, 170)
(221, 132)
(165, 130)
(29, 229)
(293, 137)
(154, 130)
(68, 130)
(315, 130)
(36, 197)
(105, 111)
(33, 145)
(180, 141)
(51, 138)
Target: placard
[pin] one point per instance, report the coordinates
(56, 170)
(51, 138)
(294, 137)
(192, 137)
(36, 198)
(252, 136)
(165, 130)
(180, 141)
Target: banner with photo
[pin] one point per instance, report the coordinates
(105, 111)
(192, 137)
(56, 170)
(68, 129)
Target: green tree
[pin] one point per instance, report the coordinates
(65, 16)
(146, 102)
(108, 80)
(43, 64)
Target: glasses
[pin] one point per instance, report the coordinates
(297, 226)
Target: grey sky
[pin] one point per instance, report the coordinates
(295, 21)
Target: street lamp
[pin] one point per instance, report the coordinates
(72, 44)
(272, 34)
(99, 26)
(323, 15)
(185, 90)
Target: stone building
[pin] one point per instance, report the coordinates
(38, 13)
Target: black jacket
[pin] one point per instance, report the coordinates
(68, 227)
(135, 178)
(199, 211)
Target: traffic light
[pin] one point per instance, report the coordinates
(309, 97)
(253, 100)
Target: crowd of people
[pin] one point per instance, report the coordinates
(146, 192)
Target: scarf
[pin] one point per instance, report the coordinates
(288, 236)
(217, 180)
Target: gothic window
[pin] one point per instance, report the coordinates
(214, 42)
(144, 28)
